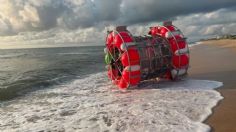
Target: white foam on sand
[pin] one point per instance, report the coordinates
(195, 44)
(93, 104)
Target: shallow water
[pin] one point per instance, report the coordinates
(24, 70)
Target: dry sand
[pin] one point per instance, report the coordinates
(216, 60)
(224, 43)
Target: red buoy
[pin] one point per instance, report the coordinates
(112, 73)
(132, 75)
(180, 61)
(131, 57)
(122, 84)
(122, 37)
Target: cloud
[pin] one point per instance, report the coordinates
(79, 20)
(88, 36)
(34, 15)
(28, 15)
(214, 23)
(137, 11)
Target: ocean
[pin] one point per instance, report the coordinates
(26, 70)
(67, 89)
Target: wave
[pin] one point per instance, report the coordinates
(195, 44)
(7, 56)
(93, 104)
(73, 53)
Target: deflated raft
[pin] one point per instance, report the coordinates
(163, 53)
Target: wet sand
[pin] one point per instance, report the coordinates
(216, 60)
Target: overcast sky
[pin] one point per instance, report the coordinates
(77, 21)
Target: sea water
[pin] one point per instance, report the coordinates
(26, 70)
(66, 89)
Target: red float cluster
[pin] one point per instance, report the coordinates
(129, 73)
(178, 44)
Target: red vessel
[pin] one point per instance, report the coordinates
(162, 53)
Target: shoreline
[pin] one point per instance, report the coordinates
(216, 119)
(213, 60)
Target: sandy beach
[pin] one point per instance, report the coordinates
(216, 60)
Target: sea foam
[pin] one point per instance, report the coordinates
(93, 104)
(195, 44)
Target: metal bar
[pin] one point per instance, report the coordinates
(126, 49)
(176, 44)
(187, 47)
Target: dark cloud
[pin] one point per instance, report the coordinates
(29, 15)
(138, 11)
(86, 17)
